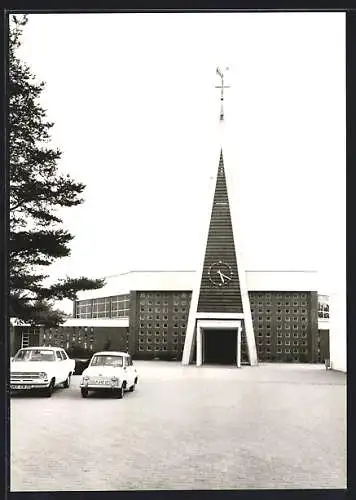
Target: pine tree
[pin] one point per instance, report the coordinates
(37, 190)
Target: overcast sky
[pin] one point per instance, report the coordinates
(136, 116)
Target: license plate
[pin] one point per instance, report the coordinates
(20, 386)
(101, 382)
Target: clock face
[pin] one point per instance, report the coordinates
(220, 273)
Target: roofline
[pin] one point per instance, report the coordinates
(194, 271)
(121, 353)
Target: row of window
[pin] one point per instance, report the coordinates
(279, 303)
(158, 341)
(65, 345)
(157, 348)
(105, 307)
(279, 319)
(280, 311)
(158, 295)
(279, 295)
(280, 342)
(286, 350)
(74, 339)
(159, 334)
(279, 327)
(282, 334)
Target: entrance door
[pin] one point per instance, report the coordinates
(220, 346)
(218, 341)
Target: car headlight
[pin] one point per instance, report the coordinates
(86, 378)
(43, 375)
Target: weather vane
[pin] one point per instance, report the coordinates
(222, 87)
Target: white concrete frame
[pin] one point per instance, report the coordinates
(217, 325)
(193, 313)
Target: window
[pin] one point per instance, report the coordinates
(58, 355)
(101, 308)
(83, 309)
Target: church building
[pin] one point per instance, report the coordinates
(218, 313)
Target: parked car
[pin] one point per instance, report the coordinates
(40, 369)
(109, 371)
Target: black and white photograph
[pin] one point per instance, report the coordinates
(177, 251)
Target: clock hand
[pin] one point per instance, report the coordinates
(227, 277)
(221, 276)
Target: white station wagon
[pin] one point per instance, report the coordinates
(111, 371)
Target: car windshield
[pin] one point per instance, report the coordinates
(34, 355)
(105, 360)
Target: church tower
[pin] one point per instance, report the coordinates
(220, 306)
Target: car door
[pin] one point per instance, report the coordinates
(127, 372)
(66, 364)
(130, 371)
(60, 369)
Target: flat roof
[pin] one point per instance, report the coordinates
(185, 280)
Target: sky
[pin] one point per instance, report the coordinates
(136, 112)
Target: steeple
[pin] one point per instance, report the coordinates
(220, 299)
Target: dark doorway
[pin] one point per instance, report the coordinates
(220, 346)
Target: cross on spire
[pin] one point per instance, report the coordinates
(222, 87)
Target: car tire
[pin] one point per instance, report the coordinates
(49, 390)
(66, 383)
(119, 393)
(84, 392)
(133, 387)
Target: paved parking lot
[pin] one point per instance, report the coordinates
(272, 426)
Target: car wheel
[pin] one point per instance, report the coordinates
(66, 383)
(84, 392)
(119, 393)
(133, 387)
(49, 390)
